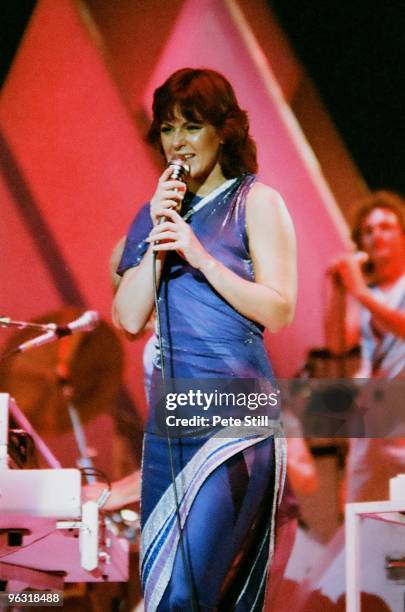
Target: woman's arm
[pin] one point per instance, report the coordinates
(134, 298)
(274, 253)
(114, 262)
(270, 299)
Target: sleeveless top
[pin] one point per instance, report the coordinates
(203, 335)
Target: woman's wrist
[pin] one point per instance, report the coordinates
(207, 264)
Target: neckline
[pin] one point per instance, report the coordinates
(202, 201)
(191, 197)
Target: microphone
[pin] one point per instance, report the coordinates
(180, 169)
(86, 322)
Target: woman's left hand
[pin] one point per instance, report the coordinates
(174, 234)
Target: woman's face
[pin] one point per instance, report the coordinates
(197, 141)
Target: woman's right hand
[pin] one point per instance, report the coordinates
(168, 195)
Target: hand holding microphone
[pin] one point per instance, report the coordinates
(170, 189)
(170, 231)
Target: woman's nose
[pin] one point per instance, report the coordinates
(178, 139)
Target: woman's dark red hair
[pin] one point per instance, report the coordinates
(205, 95)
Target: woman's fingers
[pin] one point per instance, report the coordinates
(162, 208)
(168, 246)
(166, 225)
(166, 174)
(164, 235)
(169, 194)
(166, 220)
(169, 235)
(170, 213)
(174, 234)
(177, 186)
(167, 204)
(169, 229)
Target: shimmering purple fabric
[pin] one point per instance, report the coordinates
(203, 335)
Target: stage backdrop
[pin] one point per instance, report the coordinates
(75, 167)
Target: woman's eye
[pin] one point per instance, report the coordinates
(164, 129)
(194, 126)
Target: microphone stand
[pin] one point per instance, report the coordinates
(341, 325)
(84, 461)
(8, 322)
(86, 322)
(180, 170)
(40, 327)
(114, 520)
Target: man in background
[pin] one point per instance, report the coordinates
(368, 287)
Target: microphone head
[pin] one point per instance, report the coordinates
(86, 322)
(180, 168)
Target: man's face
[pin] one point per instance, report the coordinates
(382, 236)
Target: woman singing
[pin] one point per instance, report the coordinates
(226, 269)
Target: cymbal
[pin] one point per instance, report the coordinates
(85, 367)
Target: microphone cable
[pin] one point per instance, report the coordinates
(180, 169)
